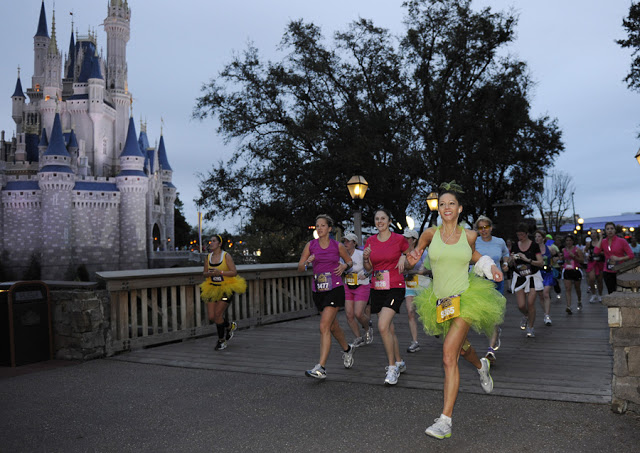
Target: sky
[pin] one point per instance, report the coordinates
(175, 47)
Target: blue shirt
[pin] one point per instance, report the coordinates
(495, 248)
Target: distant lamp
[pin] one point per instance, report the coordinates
(410, 223)
(399, 226)
(578, 227)
(575, 232)
(580, 221)
(632, 229)
(432, 201)
(357, 186)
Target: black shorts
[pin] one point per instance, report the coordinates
(390, 298)
(572, 274)
(333, 298)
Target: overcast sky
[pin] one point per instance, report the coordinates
(175, 47)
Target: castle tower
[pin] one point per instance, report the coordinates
(52, 79)
(56, 181)
(168, 192)
(69, 67)
(132, 182)
(40, 48)
(17, 100)
(117, 27)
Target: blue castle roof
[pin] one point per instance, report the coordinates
(96, 186)
(56, 146)
(131, 147)
(151, 155)
(72, 58)
(43, 138)
(132, 173)
(22, 185)
(18, 91)
(90, 65)
(162, 156)
(31, 145)
(72, 141)
(42, 23)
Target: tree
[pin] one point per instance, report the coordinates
(407, 114)
(632, 26)
(182, 230)
(555, 200)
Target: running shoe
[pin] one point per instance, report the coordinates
(392, 375)
(368, 337)
(579, 306)
(498, 342)
(558, 296)
(530, 332)
(413, 347)
(401, 366)
(220, 345)
(491, 355)
(593, 299)
(230, 330)
(485, 378)
(569, 312)
(523, 322)
(547, 320)
(441, 429)
(358, 342)
(347, 357)
(317, 372)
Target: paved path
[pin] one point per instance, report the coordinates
(570, 361)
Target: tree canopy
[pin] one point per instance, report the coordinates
(632, 26)
(440, 102)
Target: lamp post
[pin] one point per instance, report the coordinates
(358, 187)
(432, 202)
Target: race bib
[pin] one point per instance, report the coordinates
(323, 282)
(381, 280)
(523, 270)
(447, 308)
(610, 265)
(597, 258)
(351, 279)
(411, 281)
(217, 278)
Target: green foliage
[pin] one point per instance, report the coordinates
(182, 230)
(405, 112)
(632, 26)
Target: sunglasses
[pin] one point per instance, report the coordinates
(484, 227)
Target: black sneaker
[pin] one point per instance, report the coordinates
(220, 345)
(230, 330)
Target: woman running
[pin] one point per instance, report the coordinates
(411, 281)
(616, 250)
(571, 273)
(548, 280)
(595, 267)
(527, 279)
(496, 249)
(457, 300)
(221, 281)
(384, 259)
(324, 254)
(356, 294)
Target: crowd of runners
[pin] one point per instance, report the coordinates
(452, 280)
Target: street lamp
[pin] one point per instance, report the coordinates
(432, 202)
(357, 186)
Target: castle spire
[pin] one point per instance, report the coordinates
(53, 43)
(42, 23)
(18, 91)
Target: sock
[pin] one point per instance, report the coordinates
(447, 419)
(220, 328)
(322, 367)
(348, 349)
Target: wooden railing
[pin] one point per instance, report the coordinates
(161, 305)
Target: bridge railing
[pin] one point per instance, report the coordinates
(161, 305)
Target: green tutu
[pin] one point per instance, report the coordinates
(480, 305)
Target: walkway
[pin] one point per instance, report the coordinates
(570, 361)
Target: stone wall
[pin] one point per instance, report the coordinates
(80, 320)
(624, 322)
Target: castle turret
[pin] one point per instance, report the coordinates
(52, 79)
(168, 191)
(17, 99)
(56, 181)
(40, 48)
(117, 27)
(69, 67)
(132, 182)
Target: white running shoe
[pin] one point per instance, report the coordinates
(440, 429)
(413, 347)
(392, 375)
(347, 357)
(317, 372)
(547, 320)
(593, 299)
(401, 366)
(358, 342)
(368, 337)
(523, 322)
(531, 332)
(485, 377)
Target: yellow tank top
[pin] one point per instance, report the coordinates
(223, 265)
(450, 265)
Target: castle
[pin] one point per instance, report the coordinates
(78, 186)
